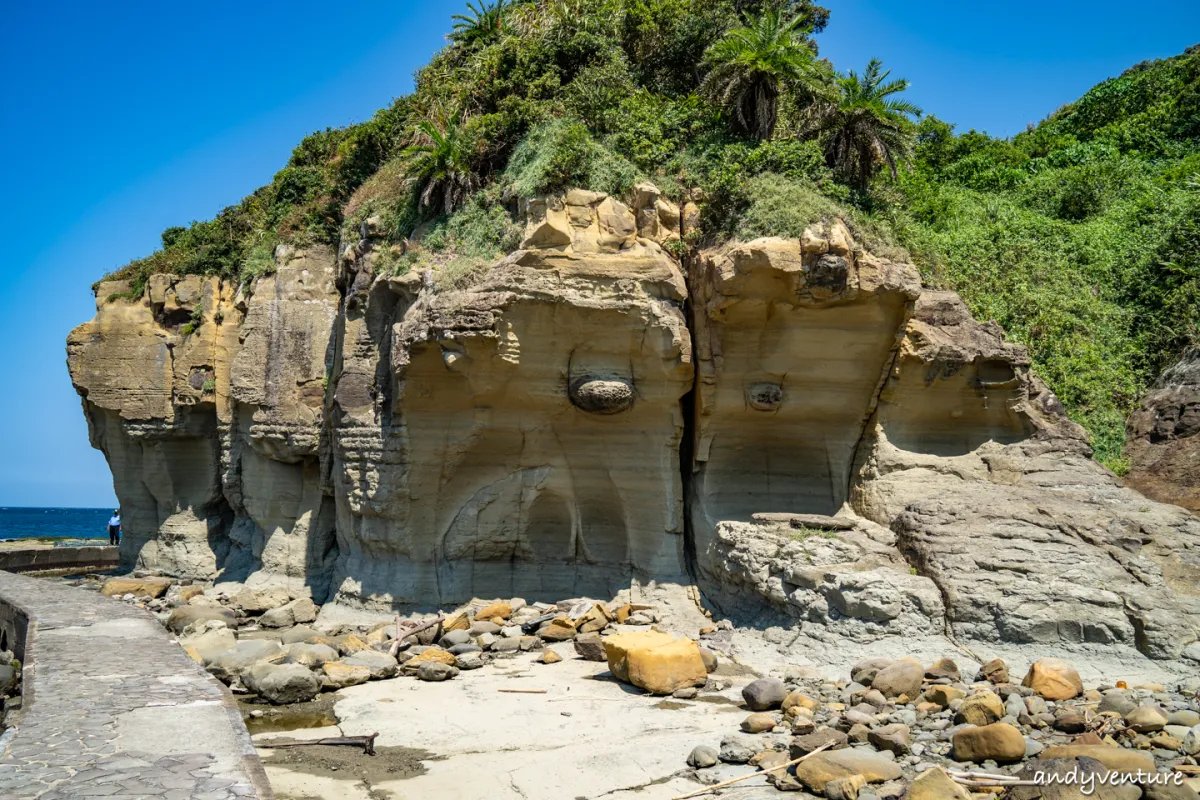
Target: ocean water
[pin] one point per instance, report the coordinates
(67, 523)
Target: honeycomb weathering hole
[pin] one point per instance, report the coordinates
(765, 396)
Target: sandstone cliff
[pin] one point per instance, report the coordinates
(1164, 436)
(797, 427)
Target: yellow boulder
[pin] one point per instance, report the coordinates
(436, 654)
(936, 784)
(458, 621)
(1118, 758)
(980, 709)
(138, 587)
(502, 610)
(656, 662)
(1053, 679)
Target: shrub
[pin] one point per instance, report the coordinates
(562, 153)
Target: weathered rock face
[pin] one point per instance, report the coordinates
(1028, 539)
(521, 436)
(208, 403)
(1164, 437)
(842, 448)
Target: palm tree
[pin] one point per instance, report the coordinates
(868, 127)
(484, 23)
(439, 161)
(750, 65)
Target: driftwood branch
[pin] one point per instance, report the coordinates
(523, 691)
(403, 633)
(732, 781)
(367, 743)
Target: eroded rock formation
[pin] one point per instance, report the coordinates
(795, 426)
(1164, 437)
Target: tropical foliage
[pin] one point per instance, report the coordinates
(484, 23)
(867, 126)
(439, 163)
(1081, 236)
(750, 66)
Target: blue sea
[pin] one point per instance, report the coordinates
(63, 523)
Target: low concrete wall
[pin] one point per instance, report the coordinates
(35, 559)
(110, 706)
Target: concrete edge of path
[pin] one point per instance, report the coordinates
(35, 613)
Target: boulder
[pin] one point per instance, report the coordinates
(149, 588)
(549, 657)
(455, 637)
(710, 660)
(702, 756)
(300, 633)
(430, 654)
(436, 671)
(980, 709)
(893, 738)
(845, 788)
(1081, 781)
(204, 647)
(942, 695)
(864, 671)
(738, 748)
(936, 784)
(8, 678)
(466, 661)
(339, 675)
(943, 669)
(1146, 719)
(814, 773)
(1118, 701)
(655, 662)
(994, 671)
(1118, 758)
(759, 722)
(590, 647)
(256, 601)
(999, 742)
(299, 610)
(799, 700)
(246, 653)
(493, 610)
(903, 677)
(1053, 679)
(805, 743)
(764, 694)
(311, 655)
(380, 664)
(281, 684)
(559, 629)
(184, 616)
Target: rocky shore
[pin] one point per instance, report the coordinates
(888, 729)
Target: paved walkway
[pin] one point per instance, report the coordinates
(113, 709)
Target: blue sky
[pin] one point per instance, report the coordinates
(119, 120)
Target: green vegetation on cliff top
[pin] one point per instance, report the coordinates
(1080, 236)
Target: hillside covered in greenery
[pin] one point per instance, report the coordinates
(1081, 236)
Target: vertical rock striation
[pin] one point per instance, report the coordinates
(842, 449)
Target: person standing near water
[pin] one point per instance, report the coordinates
(114, 528)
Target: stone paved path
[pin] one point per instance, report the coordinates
(113, 709)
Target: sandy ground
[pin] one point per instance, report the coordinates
(586, 738)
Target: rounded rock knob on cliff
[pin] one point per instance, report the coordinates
(601, 396)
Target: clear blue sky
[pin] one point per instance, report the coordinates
(119, 120)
